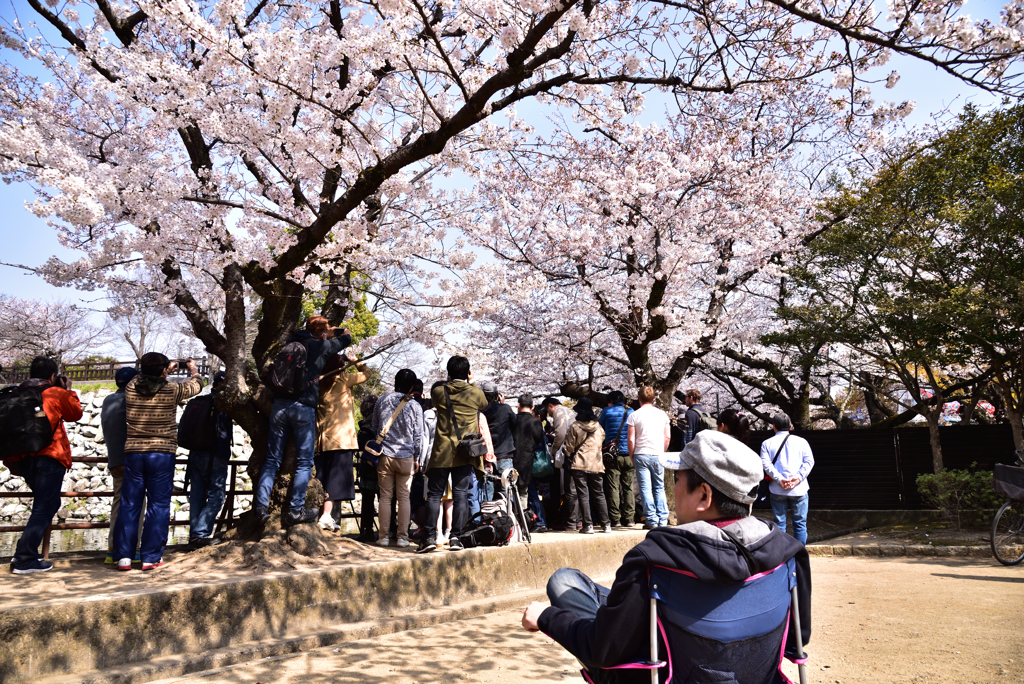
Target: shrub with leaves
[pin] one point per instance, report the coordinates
(964, 496)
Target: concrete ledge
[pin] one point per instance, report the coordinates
(294, 608)
(900, 550)
(218, 659)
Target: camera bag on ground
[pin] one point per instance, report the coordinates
(288, 371)
(197, 429)
(472, 446)
(24, 427)
(488, 528)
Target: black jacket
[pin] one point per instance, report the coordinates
(317, 353)
(619, 632)
(528, 436)
(500, 418)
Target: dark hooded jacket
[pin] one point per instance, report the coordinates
(317, 353)
(619, 632)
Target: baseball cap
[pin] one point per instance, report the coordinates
(724, 462)
(124, 375)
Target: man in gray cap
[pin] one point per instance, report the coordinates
(717, 542)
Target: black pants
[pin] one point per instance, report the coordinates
(590, 485)
(618, 488)
(437, 483)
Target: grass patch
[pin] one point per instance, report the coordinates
(85, 387)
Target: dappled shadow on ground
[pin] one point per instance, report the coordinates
(491, 649)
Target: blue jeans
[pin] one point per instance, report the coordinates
(288, 418)
(797, 505)
(150, 475)
(207, 474)
(650, 476)
(570, 589)
(476, 491)
(44, 476)
(492, 488)
(535, 505)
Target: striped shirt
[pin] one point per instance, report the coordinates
(153, 420)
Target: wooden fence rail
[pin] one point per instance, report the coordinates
(90, 372)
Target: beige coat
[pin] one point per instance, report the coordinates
(335, 415)
(587, 437)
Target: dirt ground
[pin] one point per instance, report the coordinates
(875, 620)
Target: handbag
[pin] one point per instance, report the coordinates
(472, 446)
(375, 447)
(542, 464)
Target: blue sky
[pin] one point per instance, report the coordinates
(27, 239)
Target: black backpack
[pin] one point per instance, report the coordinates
(24, 427)
(288, 372)
(490, 529)
(197, 429)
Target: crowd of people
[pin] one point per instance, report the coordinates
(423, 455)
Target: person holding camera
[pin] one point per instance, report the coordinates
(44, 470)
(151, 404)
(458, 449)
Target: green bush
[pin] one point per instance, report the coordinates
(964, 496)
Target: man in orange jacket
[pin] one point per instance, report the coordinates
(44, 471)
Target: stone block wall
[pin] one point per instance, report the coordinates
(86, 438)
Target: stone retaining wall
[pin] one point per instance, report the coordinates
(86, 438)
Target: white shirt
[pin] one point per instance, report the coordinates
(650, 426)
(796, 460)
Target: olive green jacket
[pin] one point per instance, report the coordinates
(467, 402)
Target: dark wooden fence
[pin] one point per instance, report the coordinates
(878, 469)
(89, 372)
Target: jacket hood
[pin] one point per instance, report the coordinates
(35, 383)
(588, 426)
(706, 551)
(147, 385)
(301, 336)
(457, 386)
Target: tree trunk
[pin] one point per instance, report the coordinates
(932, 416)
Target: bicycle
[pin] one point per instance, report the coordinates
(1008, 525)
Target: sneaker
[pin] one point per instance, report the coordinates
(650, 527)
(262, 514)
(539, 529)
(124, 564)
(383, 541)
(109, 560)
(203, 542)
(402, 543)
(152, 566)
(426, 546)
(297, 517)
(455, 545)
(587, 529)
(33, 567)
(607, 528)
(326, 522)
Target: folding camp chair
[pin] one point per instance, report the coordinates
(719, 632)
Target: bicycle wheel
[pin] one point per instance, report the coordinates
(1008, 533)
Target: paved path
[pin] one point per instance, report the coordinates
(875, 620)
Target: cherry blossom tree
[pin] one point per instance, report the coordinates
(57, 329)
(260, 150)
